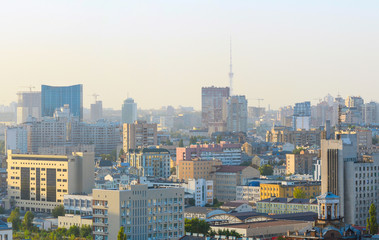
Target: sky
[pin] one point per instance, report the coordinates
(162, 52)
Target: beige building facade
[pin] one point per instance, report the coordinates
(39, 182)
(196, 169)
(74, 220)
(139, 134)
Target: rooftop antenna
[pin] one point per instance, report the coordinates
(231, 70)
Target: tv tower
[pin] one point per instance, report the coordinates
(231, 70)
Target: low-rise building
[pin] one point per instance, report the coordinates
(248, 193)
(237, 206)
(6, 231)
(285, 189)
(69, 220)
(78, 204)
(286, 205)
(196, 168)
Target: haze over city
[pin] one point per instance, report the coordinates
(162, 52)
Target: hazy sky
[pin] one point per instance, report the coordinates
(163, 52)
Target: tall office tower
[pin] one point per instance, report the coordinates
(212, 107)
(96, 111)
(145, 213)
(139, 134)
(284, 116)
(53, 98)
(302, 116)
(236, 114)
(152, 161)
(334, 156)
(39, 182)
(28, 105)
(129, 111)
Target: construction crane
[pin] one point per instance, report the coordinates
(30, 87)
(259, 101)
(95, 95)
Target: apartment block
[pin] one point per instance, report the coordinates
(227, 153)
(69, 220)
(28, 105)
(212, 107)
(152, 161)
(301, 163)
(39, 182)
(227, 178)
(202, 190)
(236, 114)
(145, 213)
(196, 168)
(78, 204)
(139, 134)
(285, 189)
(248, 193)
(286, 205)
(298, 138)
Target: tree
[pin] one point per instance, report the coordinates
(266, 170)
(86, 231)
(173, 170)
(2, 147)
(246, 163)
(372, 225)
(196, 225)
(14, 218)
(121, 234)
(297, 150)
(28, 221)
(181, 144)
(58, 211)
(299, 193)
(218, 139)
(193, 140)
(73, 230)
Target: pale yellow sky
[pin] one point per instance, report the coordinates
(163, 52)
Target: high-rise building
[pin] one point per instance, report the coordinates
(28, 105)
(53, 98)
(236, 114)
(129, 111)
(150, 162)
(370, 113)
(96, 111)
(145, 213)
(212, 109)
(301, 163)
(334, 154)
(39, 182)
(302, 116)
(202, 190)
(139, 134)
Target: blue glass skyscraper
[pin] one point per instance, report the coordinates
(56, 97)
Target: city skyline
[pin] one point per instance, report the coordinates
(306, 49)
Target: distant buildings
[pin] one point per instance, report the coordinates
(139, 134)
(96, 111)
(228, 153)
(53, 98)
(149, 162)
(298, 138)
(236, 114)
(28, 105)
(212, 108)
(129, 111)
(39, 182)
(145, 213)
(302, 116)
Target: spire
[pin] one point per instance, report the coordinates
(231, 70)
